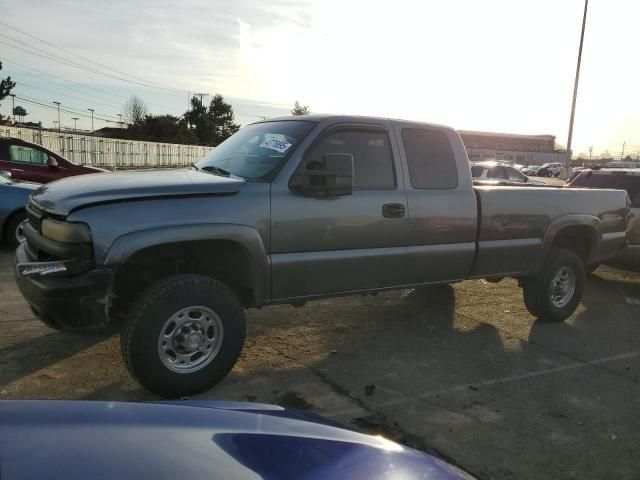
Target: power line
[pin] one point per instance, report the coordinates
(80, 56)
(93, 101)
(75, 65)
(21, 66)
(65, 110)
(65, 80)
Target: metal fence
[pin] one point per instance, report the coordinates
(110, 153)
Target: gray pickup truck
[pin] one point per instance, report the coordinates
(290, 210)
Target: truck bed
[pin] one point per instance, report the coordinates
(513, 222)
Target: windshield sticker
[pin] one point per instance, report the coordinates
(279, 146)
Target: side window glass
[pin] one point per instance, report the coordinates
(496, 172)
(430, 159)
(514, 175)
(372, 160)
(28, 155)
(477, 171)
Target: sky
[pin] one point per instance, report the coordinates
(491, 65)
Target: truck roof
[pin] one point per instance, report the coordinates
(318, 117)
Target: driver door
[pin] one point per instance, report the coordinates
(329, 244)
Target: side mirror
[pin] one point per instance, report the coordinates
(52, 162)
(5, 174)
(333, 176)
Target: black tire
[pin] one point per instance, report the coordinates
(591, 268)
(12, 229)
(537, 290)
(154, 307)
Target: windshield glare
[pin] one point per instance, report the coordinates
(257, 150)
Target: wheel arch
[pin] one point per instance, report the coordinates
(5, 224)
(580, 233)
(234, 254)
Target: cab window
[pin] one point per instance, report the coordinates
(372, 160)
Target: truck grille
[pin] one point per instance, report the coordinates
(34, 214)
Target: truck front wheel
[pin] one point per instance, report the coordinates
(183, 335)
(554, 294)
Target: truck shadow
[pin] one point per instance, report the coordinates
(24, 358)
(604, 325)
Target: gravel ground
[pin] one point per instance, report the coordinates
(462, 371)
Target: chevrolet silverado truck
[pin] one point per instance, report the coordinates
(289, 210)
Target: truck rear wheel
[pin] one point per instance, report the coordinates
(554, 294)
(183, 335)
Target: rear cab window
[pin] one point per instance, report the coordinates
(615, 180)
(430, 159)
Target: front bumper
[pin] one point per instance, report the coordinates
(73, 302)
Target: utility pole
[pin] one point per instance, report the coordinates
(13, 106)
(120, 121)
(58, 104)
(575, 84)
(622, 153)
(75, 123)
(201, 95)
(91, 110)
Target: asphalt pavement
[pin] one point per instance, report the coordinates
(462, 371)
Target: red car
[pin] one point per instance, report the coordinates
(34, 163)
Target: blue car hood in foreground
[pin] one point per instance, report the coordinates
(195, 440)
(63, 196)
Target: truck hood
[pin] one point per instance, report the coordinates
(63, 196)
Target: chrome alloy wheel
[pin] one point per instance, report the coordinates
(19, 233)
(190, 339)
(563, 286)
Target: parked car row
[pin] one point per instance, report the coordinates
(546, 170)
(500, 173)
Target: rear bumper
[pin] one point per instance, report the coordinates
(75, 302)
(628, 257)
(609, 246)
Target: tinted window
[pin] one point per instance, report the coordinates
(372, 160)
(496, 173)
(476, 171)
(630, 183)
(430, 159)
(28, 155)
(514, 175)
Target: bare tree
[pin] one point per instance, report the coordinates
(135, 110)
(300, 109)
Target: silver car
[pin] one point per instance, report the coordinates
(500, 172)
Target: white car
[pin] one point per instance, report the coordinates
(554, 168)
(501, 172)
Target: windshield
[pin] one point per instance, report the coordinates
(257, 150)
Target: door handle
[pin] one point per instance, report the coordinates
(17, 170)
(393, 210)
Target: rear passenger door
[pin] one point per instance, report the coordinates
(442, 210)
(322, 245)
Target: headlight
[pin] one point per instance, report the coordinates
(66, 232)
